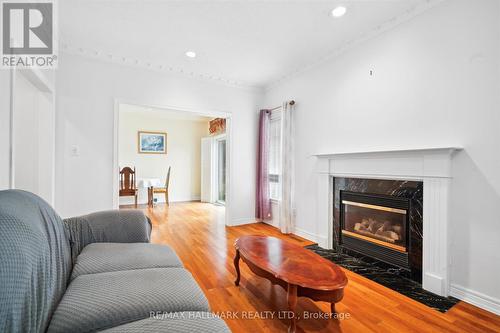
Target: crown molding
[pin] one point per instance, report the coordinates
(104, 56)
(362, 38)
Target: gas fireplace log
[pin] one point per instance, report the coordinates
(385, 231)
(380, 237)
(359, 226)
(387, 226)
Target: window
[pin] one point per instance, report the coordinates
(275, 155)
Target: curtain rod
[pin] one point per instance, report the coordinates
(292, 102)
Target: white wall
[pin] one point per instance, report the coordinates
(435, 83)
(183, 153)
(26, 135)
(86, 93)
(4, 128)
(46, 146)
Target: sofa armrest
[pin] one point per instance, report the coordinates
(112, 226)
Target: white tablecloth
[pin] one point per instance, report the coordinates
(148, 182)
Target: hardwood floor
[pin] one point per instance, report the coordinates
(197, 233)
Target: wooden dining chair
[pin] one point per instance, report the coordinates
(163, 190)
(128, 187)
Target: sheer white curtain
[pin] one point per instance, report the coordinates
(275, 157)
(287, 204)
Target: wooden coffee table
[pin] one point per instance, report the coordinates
(302, 273)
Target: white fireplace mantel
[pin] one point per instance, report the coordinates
(430, 165)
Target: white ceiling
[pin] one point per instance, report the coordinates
(164, 113)
(252, 43)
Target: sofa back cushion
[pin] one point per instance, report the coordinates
(35, 262)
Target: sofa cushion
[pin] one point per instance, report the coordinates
(104, 300)
(109, 257)
(176, 322)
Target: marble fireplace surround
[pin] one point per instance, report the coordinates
(432, 166)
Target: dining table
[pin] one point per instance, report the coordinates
(145, 187)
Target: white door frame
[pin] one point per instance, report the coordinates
(210, 113)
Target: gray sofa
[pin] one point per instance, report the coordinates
(92, 273)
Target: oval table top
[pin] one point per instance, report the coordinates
(291, 263)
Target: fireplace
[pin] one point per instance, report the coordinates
(375, 225)
(400, 173)
(380, 221)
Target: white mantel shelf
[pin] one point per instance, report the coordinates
(431, 165)
(389, 151)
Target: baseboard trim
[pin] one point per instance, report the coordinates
(322, 241)
(193, 198)
(476, 298)
(276, 225)
(305, 234)
(243, 221)
(160, 199)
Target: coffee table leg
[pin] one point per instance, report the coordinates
(332, 308)
(237, 267)
(292, 303)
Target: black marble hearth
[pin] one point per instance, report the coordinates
(387, 276)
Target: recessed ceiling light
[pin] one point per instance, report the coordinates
(339, 11)
(191, 54)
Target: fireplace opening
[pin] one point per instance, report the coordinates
(378, 224)
(375, 225)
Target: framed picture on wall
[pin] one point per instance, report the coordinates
(152, 142)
